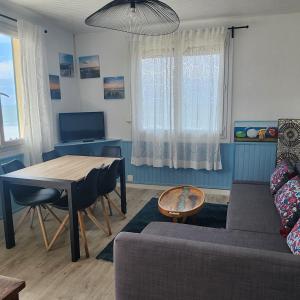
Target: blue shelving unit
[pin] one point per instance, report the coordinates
(85, 148)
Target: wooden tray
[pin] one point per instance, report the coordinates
(181, 201)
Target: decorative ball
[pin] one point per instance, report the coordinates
(272, 132)
(240, 134)
(252, 133)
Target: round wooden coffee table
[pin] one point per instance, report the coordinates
(181, 202)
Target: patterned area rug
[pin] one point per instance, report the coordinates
(211, 215)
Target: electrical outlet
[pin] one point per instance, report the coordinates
(130, 178)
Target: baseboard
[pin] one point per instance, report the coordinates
(163, 187)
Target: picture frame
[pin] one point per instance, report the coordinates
(89, 66)
(66, 65)
(114, 88)
(55, 92)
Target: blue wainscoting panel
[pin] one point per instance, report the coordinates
(241, 161)
(254, 161)
(15, 207)
(167, 176)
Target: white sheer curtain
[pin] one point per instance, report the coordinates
(152, 94)
(38, 127)
(177, 99)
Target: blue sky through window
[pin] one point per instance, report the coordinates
(7, 86)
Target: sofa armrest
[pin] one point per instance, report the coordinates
(155, 267)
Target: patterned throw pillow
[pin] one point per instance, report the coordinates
(282, 174)
(293, 239)
(287, 202)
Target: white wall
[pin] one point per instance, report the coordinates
(266, 76)
(113, 50)
(61, 41)
(267, 69)
(57, 40)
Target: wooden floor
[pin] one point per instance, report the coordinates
(51, 275)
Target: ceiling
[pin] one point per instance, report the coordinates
(72, 13)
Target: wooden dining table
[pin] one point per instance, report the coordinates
(62, 173)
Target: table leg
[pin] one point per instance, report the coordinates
(123, 186)
(74, 234)
(7, 215)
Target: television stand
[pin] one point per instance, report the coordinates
(85, 147)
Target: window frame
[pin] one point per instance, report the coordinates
(11, 30)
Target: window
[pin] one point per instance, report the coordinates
(199, 85)
(10, 81)
(179, 98)
(157, 74)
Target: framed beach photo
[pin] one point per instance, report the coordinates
(66, 65)
(114, 88)
(89, 66)
(54, 87)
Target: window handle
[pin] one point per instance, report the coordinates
(2, 94)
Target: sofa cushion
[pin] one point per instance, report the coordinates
(246, 239)
(293, 239)
(287, 202)
(283, 172)
(251, 208)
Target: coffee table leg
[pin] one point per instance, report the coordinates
(184, 220)
(174, 220)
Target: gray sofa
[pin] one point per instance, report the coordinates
(247, 260)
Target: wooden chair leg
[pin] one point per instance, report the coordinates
(59, 231)
(54, 215)
(105, 215)
(109, 207)
(116, 191)
(32, 216)
(115, 206)
(92, 217)
(94, 206)
(23, 217)
(45, 216)
(38, 208)
(82, 230)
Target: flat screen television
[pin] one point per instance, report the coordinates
(83, 126)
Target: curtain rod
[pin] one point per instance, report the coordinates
(14, 20)
(233, 28)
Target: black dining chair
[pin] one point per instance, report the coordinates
(87, 191)
(111, 151)
(107, 184)
(50, 155)
(32, 197)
